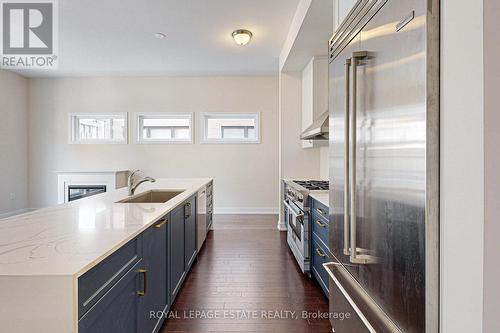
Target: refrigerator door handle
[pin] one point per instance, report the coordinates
(357, 255)
(369, 312)
(347, 250)
(329, 267)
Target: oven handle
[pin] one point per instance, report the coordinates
(294, 216)
(294, 212)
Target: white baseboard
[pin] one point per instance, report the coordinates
(16, 212)
(247, 210)
(281, 226)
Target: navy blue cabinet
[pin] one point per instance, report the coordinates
(154, 268)
(176, 247)
(320, 227)
(95, 283)
(320, 252)
(320, 209)
(182, 244)
(190, 232)
(117, 310)
(320, 256)
(141, 278)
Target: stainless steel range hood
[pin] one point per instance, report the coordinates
(318, 130)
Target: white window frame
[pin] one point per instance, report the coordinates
(72, 126)
(203, 126)
(138, 128)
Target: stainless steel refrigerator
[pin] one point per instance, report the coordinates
(384, 168)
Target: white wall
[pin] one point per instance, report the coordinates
(324, 163)
(307, 111)
(13, 142)
(491, 318)
(314, 95)
(295, 162)
(245, 174)
(462, 166)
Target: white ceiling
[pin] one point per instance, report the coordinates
(115, 37)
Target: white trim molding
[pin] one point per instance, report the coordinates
(204, 116)
(16, 212)
(74, 139)
(246, 210)
(281, 225)
(138, 125)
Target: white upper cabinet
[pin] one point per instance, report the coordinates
(314, 94)
(340, 10)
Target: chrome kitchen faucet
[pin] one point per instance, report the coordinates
(132, 187)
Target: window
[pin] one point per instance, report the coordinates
(98, 128)
(231, 127)
(164, 128)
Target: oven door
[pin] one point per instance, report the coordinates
(295, 219)
(296, 235)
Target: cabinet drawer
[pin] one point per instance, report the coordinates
(320, 228)
(117, 311)
(319, 257)
(320, 209)
(96, 282)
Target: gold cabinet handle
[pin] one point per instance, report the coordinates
(321, 211)
(162, 223)
(145, 286)
(320, 253)
(321, 224)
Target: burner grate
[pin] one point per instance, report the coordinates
(313, 184)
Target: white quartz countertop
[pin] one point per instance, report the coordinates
(69, 239)
(322, 197)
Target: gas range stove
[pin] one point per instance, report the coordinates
(297, 191)
(296, 214)
(313, 185)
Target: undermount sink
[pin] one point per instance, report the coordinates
(153, 196)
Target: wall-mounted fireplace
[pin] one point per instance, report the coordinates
(76, 192)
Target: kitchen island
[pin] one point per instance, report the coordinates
(60, 266)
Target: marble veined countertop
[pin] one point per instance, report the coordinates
(69, 239)
(321, 196)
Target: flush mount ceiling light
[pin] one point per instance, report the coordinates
(242, 36)
(160, 35)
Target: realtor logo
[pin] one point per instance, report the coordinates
(28, 34)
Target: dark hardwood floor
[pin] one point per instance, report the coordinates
(244, 281)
